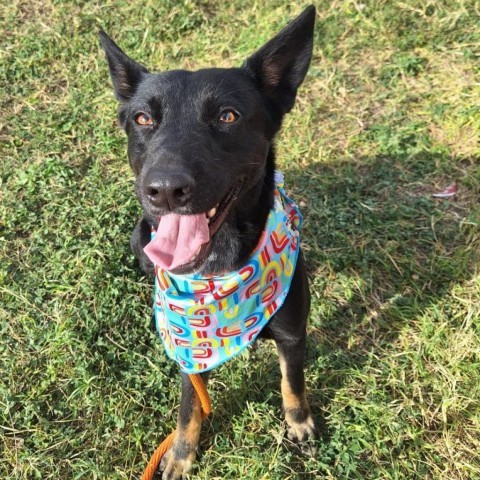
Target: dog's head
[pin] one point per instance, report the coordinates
(198, 142)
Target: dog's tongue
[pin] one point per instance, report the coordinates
(178, 239)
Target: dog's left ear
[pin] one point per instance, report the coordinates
(281, 64)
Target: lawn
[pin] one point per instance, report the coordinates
(389, 114)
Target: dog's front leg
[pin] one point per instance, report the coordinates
(297, 411)
(179, 458)
(288, 330)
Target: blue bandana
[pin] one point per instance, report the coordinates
(205, 321)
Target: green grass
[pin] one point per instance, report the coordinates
(389, 114)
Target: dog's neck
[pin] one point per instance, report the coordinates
(241, 231)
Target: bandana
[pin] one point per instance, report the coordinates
(205, 321)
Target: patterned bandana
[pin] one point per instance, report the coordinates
(205, 321)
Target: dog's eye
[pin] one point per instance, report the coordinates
(144, 119)
(228, 116)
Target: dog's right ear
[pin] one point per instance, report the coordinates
(126, 74)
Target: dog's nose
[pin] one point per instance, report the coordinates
(170, 190)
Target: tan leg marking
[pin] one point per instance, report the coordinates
(297, 411)
(179, 458)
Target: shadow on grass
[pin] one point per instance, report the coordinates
(376, 235)
(382, 252)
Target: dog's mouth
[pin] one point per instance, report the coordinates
(217, 214)
(183, 242)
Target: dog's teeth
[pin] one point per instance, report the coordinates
(211, 213)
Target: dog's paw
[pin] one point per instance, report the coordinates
(303, 433)
(173, 466)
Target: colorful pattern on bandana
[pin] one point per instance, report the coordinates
(205, 321)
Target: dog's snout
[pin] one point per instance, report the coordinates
(169, 190)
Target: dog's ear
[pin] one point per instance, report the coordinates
(126, 74)
(280, 65)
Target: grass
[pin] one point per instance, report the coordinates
(388, 115)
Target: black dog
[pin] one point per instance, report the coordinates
(201, 142)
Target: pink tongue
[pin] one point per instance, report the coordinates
(178, 239)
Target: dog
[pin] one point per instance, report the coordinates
(200, 145)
